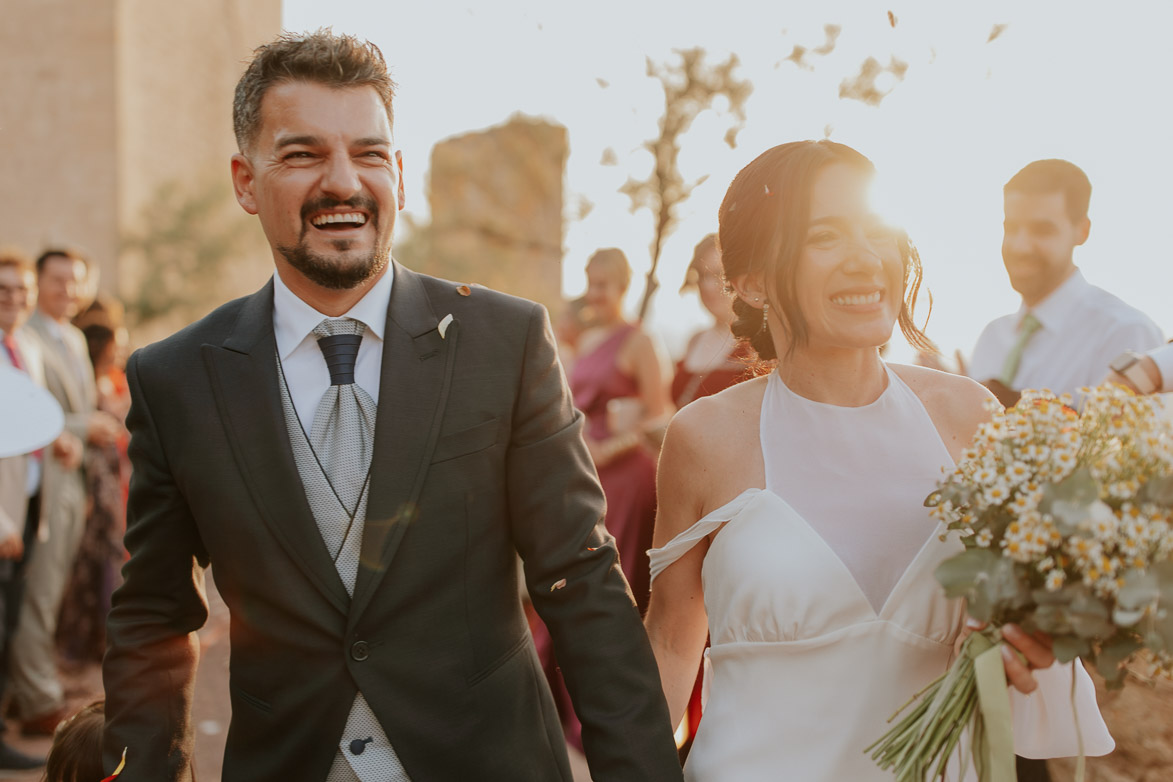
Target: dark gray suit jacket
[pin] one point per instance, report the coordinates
(478, 456)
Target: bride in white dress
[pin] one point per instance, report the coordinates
(791, 526)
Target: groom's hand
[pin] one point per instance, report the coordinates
(1036, 649)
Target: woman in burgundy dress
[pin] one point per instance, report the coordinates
(619, 382)
(714, 359)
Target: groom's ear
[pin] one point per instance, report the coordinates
(242, 183)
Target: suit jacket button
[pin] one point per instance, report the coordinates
(360, 651)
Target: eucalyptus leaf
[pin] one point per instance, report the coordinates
(1112, 656)
(1127, 617)
(1154, 641)
(1090, 615)
(1073, 518)
(1078, 488)
(1006, 587)
(1058, 597)
(1141, 590)
(1158, 490)
(1163, 627)
(961, 573)
(1053, 619)
(1067, 647)
(1163, 571)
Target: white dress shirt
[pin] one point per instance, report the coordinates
(1083, 329)
(1163, 358)
(28, 356)
(306, 373)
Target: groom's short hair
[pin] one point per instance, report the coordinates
(320, 57)
(1055, 176)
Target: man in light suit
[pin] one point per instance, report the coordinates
(36, 690)
(361, 452)
(20, 476)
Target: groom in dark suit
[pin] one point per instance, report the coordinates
(361, 452)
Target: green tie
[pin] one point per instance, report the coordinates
(1026, 329)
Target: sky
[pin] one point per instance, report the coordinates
(988, 87)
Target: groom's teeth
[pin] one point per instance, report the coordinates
(357, 218)
(870, 298)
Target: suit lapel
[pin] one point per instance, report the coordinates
(57, 365)
(413, 390)
(243, 371)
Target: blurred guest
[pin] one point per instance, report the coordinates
(76, 754)
(37, 694)
(714, 358)
(571, 322)
(1067, 330)
(81, 631)
(20, 476)
(619, 383)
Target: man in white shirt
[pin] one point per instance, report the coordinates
(1067, 330)
(20, 476)
(37, 693)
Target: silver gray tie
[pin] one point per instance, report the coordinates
(343, 439)
(335, 468)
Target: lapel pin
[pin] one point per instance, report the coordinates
(464, 290)
(443, 326)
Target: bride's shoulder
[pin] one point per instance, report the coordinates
(729, 412)
(712, 432)
(935, 385)
(957, 404)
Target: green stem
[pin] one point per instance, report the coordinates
(1080, 764)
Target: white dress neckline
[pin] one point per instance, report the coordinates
(803, 671)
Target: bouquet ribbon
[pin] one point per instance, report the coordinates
(990, 673)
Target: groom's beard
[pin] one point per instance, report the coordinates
(340, 271)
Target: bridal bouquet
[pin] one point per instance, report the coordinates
(1066, 520)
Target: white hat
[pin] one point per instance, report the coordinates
(31, 417)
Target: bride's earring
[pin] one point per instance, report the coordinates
(765, 316)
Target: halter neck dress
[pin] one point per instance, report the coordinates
(824, 614)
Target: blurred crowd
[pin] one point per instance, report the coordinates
(62, 508)
(626, 387)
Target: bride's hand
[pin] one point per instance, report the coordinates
(1035, 648)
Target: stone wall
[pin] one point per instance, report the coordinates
(58, 129)
(103, 103)
(496, 209)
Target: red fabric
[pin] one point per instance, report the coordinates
(687, 386)
(13, 352)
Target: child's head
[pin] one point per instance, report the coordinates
(76, 754)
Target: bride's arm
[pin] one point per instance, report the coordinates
(676, 621)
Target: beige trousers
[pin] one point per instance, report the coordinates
(33, 681)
